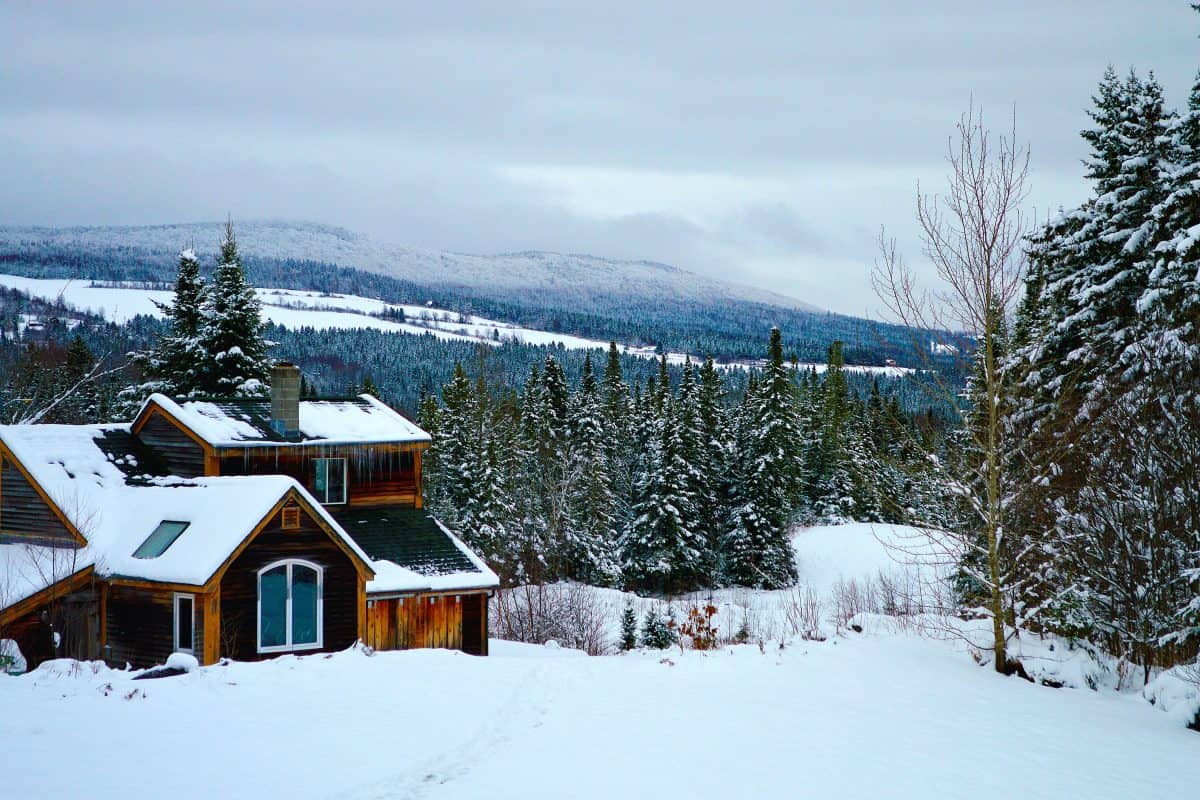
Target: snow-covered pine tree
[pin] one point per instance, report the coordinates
(590, 536)
(1111, 248)
(700, 479)
(757, 548)
(488, 506)
(619, 447)
(715, 459)
(837, 489)
(233, 351)
(456, 447)
(1170, 304)
(629, 628)
(664, 549)
(655, 633)
(173, 365)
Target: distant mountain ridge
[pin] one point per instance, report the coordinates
(587, 278)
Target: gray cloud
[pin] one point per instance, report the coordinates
(762, 140)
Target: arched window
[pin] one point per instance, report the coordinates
(290, 606)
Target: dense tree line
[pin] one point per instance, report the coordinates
(666, 486)
(1105, 413)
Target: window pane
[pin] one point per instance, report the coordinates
(304, 605)
(336, 480)
(184, 621)
(160, 539)
(272, 591)
(319, 473)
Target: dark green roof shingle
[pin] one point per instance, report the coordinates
(405, 536)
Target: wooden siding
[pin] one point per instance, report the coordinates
(416, 621)
(182, 454)
(475, 624)
(140, 624)
(74, 616)
(24, 514)
(377, 474)
(239, 587)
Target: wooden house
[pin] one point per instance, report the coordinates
(230, 528)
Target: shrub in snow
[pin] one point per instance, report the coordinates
(570, 613)
(11, 660)
(698, 627)
(802, 610)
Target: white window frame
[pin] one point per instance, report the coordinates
(289, 647)
(191, 648)
(345, 480)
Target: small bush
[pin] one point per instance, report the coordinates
(698, 627)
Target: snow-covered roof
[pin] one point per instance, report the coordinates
(238, 423)
(98, 485)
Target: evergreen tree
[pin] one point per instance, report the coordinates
(757, 548)
(664, 550)
(591, 534)
(655, 633)
(234, 353)
(173, 365)
(629, 628)
(836, 497)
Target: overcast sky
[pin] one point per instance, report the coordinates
(760, 142)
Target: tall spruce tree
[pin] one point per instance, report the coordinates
(757, 548)
(233, 351)
(174, 364)
(590, 538)
(664, 550)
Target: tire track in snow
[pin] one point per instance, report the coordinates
(525, 708)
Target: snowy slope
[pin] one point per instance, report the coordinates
(875, 715)
(577, 274)
(294, 308)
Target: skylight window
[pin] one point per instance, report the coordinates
(163, 537)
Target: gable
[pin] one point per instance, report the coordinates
(293, 527)
(180, 450)
(26, 514)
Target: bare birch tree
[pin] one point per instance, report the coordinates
(973, 236)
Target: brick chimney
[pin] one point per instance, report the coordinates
(285, 398)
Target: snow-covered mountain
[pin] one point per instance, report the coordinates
(581, 276)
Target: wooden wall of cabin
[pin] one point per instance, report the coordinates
(75, 619)
(239, 587)
(377, 474)
(25, 516)
(456, 622)
(182, 454)
(140, 625)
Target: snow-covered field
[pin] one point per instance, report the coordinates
(294, 308)
(879, 714)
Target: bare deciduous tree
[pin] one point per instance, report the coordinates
(972, 235)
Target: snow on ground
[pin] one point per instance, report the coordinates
(887, 714)
(294, 308)
(857, 717)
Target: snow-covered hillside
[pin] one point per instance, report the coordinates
(877, 714)
(294, 308)
(527, 271)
